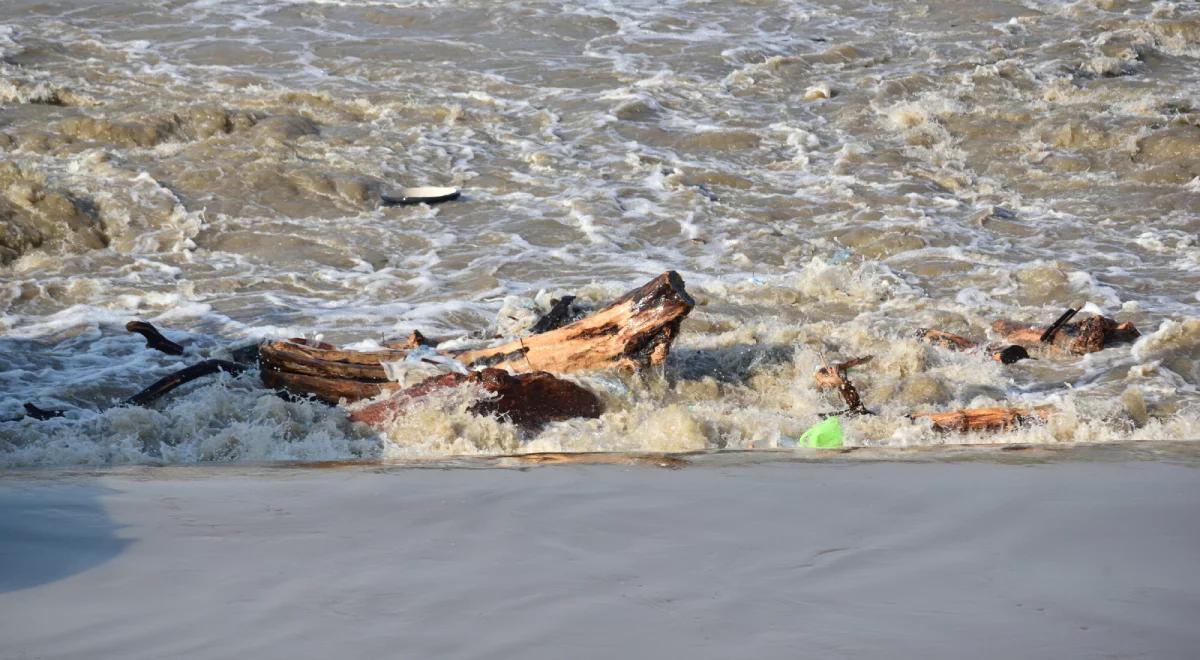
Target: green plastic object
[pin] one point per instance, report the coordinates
(825, 435)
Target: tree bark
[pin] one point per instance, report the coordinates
(530, 400)
(1080, 337)
(634, 332)
(984, 419)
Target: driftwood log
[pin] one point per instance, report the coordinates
(530, 400)
(1005, 354)
(1080, 337)
(984, 419)
(634, 332)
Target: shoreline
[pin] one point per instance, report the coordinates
(1185, 452)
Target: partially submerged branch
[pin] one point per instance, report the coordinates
(530, 400)
(42, 414)
(164, 385)
(154, 338)
(984, 419)
(834, 377)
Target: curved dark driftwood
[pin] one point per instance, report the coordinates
(154, 338)
(634, 332)
(42, 414)
(164, 385)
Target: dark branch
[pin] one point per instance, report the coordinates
(154, 338)
(187, 375)
(558, 316)
(42, 414)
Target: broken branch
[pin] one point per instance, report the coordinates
(154, 338)
(164, 385)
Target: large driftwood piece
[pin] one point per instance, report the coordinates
(635, 331)
(984, 419)
(1007, 354)
(1080, 337)
(530, 400)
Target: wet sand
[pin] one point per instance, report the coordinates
(1076, 559)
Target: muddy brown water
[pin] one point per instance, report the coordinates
(827, 177)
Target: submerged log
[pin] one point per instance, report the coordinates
(984, 419)
(164, 385)
(530, 400)
(945, 339)
(635, 331)
(1079, 337)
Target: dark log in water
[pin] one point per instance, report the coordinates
(164, 385)
(42, 414)
(530, 400)
(154, 338)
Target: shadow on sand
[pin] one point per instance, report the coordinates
(53, 530)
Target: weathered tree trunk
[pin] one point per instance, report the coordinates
(635, 331)
(530, 400)
(984, 419)
(1080, 337)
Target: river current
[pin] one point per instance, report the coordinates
(827, 177)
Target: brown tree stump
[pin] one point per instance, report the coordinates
(530, 400)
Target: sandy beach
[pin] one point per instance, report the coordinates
(862, 559)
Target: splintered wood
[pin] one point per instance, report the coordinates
(984, 419)
(634, 332)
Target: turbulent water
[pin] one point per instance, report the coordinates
(827, 177)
